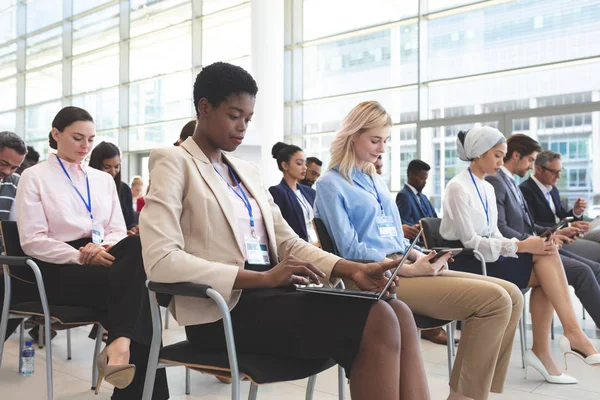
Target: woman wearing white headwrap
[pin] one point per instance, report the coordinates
(471, 216)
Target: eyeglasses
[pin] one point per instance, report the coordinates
(554, 171)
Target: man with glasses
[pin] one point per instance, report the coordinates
(543, 200)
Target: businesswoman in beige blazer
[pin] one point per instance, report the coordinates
(213, 222)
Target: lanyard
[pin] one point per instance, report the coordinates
(242, 197)
(304, 205)
(486, 205)
(88, 204)
(376, 195)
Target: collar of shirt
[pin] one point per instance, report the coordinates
(413, 189)
(545, 189)
(507, 172)
(69, 166)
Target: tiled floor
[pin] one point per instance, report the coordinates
(72, 378)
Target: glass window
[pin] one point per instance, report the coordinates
(153, 136)
(165, 98)
(166, 51)
(103, 106)
(97, 70)
(108, 136)
(44, 84)
(41, 13)
(8, 22)
(96, 30)
(372, 61)
(436, 5)
(8, 121)
(226, 36)
(38, 120)
(8, 96)
(44, 48)
(324, 18)
(8, 60)
(211, 6)
(84, 5)
(472, 93)
(507, 36)
(150, 15)
(42, 147)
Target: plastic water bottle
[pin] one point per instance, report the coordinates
(28, 358)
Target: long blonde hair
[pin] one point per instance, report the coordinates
(364, 116)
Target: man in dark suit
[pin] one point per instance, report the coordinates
(514, 220)
(543, 199)
(412, 203)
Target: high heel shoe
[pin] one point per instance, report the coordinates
(531, 360)
(565, 347)
(119, 376)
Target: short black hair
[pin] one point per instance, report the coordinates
(282, 152)
(315, 160)
(220, 80)
(12, 141)
(522, 144)
(417, 166)
(66, 117)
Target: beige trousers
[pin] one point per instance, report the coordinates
(491, 308)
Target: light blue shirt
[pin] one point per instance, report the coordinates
(348, 211)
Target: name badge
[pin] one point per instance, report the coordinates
(386, 227)
(312, 235)
(257, 253)
(97, 233)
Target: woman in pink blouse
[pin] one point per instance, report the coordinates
(70, 221)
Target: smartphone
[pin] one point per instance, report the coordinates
(548, 233)
(441, 253)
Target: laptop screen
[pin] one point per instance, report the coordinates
(404, 258)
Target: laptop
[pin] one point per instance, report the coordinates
(360, 293)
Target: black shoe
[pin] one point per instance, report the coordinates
(35, 333)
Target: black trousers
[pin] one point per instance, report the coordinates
(121, 298)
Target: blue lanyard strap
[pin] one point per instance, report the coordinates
(242, 197)
(486, 205)
(88, 204)
(371, 192)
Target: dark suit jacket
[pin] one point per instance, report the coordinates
(290, 207)
(512, 219)
(540, 210)
(126, 200)
(411, 211)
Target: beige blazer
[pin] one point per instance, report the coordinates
(189, 229)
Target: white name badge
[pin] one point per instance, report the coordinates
(386, 227)
(97, 233)
(257, 253)
(312, 235)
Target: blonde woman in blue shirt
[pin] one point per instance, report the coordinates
(364, 223)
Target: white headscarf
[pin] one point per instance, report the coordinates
(476, 141)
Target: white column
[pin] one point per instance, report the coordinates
(267, 69)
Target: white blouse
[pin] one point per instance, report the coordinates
(465, 218)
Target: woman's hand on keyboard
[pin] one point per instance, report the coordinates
(292, 270)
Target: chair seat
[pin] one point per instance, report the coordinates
(424, 323)
(65, 315)
(258, 368)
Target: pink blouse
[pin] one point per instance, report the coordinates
(51, 213)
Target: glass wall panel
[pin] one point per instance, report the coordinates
(97, 70)
(41, 13)
(8, 60)
(8, 122)
(8, 21)
(165, 98)
(211, 6)
(8, 94)
(84, 5)
(324, 18)
(44, 48)
(153, 136)
(44, 84)
(376, 60)
(160, 53)
(149, 16)
(512, 34)
(38, 120)
(103, 106)
(96, 30)
(226, 35)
